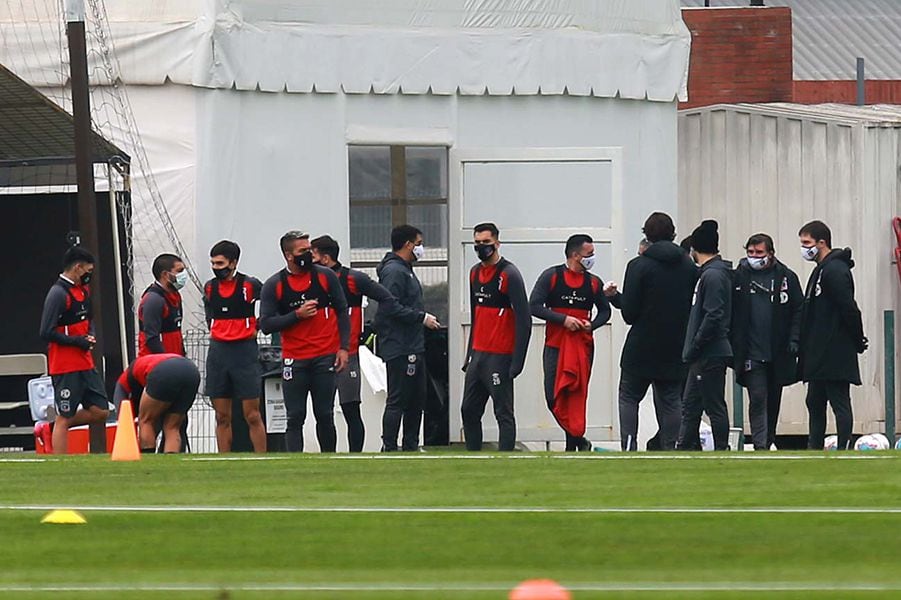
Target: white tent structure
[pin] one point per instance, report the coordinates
(549, 118)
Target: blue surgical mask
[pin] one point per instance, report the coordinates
(809, 253)
(180, 280)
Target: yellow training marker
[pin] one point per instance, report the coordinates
(63, 517)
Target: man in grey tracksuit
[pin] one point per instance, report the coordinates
(401, 340)
(707, 349)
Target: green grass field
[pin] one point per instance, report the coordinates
(443, 526)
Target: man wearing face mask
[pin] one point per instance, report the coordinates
(766, 328)
(160, 310)
(401, 341)
(356, 285)
(565, 296)
(68, 329)
(232, 364)
(306, 304)
(831, 335)
(707, 349)
(498, 340)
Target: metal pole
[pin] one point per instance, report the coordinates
(84, 175)
(861, 82)
(888, 334)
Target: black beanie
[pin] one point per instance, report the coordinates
(705, 238)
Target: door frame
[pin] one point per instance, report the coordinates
(459, 234)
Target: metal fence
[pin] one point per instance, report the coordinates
(202, 417)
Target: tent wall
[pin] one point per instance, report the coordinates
(769, 170)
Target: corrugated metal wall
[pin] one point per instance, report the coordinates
(771, 168)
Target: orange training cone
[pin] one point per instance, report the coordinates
(540, 589)
(125, 446)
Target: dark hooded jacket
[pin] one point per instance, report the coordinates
(655, 301)
(831, 325)
(707, 335)
(787, 301)
(400, 332)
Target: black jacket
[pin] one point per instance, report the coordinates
(400, 331)
(787, 301)
(655, 301)
(831, 326)
(707, 335)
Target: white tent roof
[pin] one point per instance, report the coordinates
(636, 49)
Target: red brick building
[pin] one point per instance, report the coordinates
(800, 51)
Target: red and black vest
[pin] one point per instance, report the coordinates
(354, 307)
(233, 316)
(313, 337)
(170, 326)
(572, 301)
(74, 321)
(493, 320)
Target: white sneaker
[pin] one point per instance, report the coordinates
(773, 448)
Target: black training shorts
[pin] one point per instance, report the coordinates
(233, 370)
(79, 387)
(174, 381)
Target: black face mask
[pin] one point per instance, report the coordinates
(484, 252)
(304, 260)
(222, 274)
(86, 278)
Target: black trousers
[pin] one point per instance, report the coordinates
(348, 382)
(406, 395)
(488, 375)
(764, 402)
(838, 394)
(314, 377)
(550, 359)
(705, 391)
(667, 406)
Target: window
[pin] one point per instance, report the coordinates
(393, 185)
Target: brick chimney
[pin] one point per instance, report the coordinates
(739, 55)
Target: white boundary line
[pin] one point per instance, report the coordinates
(803, 510)
(612, 455)
(462, 588)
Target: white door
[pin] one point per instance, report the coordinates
(538, 197)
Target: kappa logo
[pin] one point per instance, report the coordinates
(65, 393)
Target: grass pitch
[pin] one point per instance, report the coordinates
(442, 526)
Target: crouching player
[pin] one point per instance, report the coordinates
(163, 386)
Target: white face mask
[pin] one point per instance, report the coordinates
(419, 251)
(181, 279)
(758, 263)
(588, 262)
(809, 253)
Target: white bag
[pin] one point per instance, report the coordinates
(374, 371)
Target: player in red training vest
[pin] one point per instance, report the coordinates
(306, 304)
(67, 328)
(355, 285)
(164, 386)
(498, 340)
(160, 315)
(232, 363)
(564, 296)
(160, 310)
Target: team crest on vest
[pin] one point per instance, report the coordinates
(288, 373)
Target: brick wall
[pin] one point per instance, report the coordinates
(845, 92)
(739, 55)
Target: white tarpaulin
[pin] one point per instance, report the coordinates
(636, 49)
